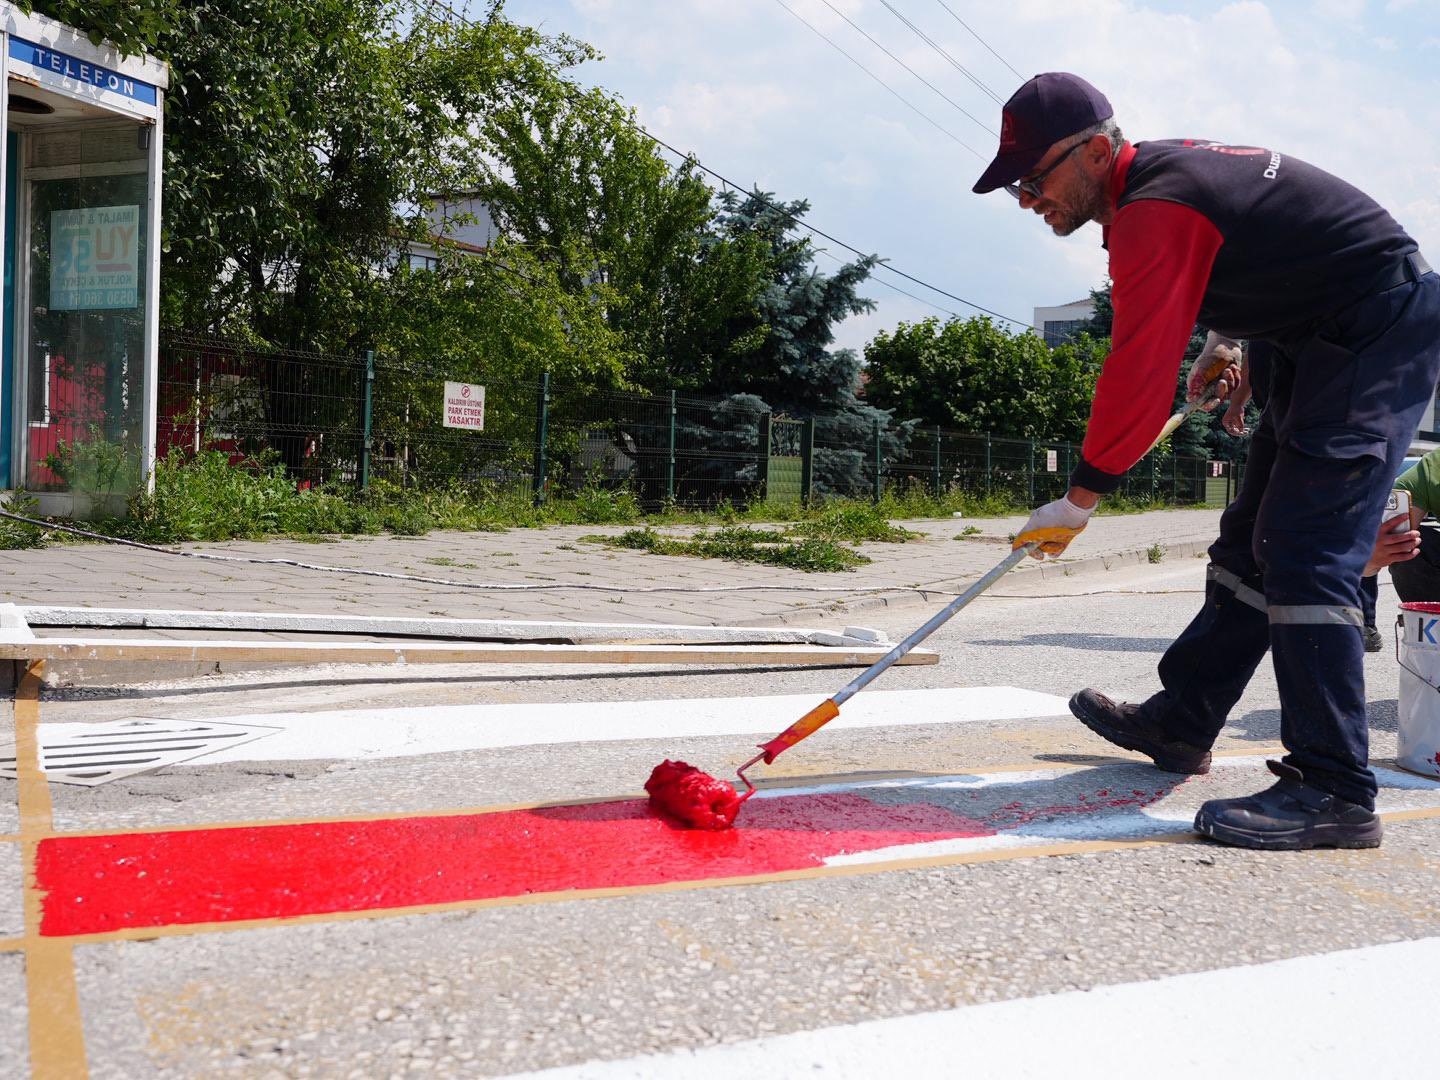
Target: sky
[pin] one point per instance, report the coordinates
(1352, 86)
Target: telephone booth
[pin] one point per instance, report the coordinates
(81, 163)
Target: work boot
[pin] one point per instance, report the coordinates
(1290, 816)
(1123, 725)
(1373, 641)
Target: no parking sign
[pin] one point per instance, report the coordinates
(464, 405)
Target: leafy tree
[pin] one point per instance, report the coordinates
(571, 176)
(790, 362)
(971, 375)
(132, 25)
(501, 319)
(303, 138)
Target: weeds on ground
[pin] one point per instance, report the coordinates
(16, 535)
(210, 497)
(1155, 553)
(738, 543)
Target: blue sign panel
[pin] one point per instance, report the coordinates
(50, 62)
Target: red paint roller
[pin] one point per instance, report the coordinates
(694, 798)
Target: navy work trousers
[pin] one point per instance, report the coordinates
(1345, 401)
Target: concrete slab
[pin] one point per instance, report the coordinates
(12, 881)
(14, 1014)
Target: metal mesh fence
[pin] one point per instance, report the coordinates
(355, 420)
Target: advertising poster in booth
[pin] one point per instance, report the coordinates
(95, 258)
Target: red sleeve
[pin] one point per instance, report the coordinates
(1160, 259)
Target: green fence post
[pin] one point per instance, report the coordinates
(542, 420)
(988, 465)
(879, 485)
(764, 447)
(1154, 474)
(807, 461)
(937, 462)
(670, 465)
(1030, 470)
(1175, 478)
(369, 404)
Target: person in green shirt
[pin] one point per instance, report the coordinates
(1414, 555)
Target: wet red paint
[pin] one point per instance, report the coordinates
(97, 884)
(692, 797)
(103, 883)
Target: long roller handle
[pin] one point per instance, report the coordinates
(1212, 373)
(828, 709)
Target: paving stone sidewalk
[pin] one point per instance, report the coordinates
(952, 552)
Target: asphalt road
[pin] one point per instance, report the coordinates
(496, 990)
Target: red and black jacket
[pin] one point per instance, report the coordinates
(1246, 242)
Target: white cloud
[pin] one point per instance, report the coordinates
(1340, 10)
(760, 98)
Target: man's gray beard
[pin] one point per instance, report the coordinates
(1084, 214)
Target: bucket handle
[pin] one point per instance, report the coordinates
(1399, 623)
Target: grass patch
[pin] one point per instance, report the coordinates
(208, 497)
(853, 521)
(16, 535)
(740, 544)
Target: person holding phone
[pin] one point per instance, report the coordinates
(1413, 552)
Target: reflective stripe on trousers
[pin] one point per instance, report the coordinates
(1231, 581)
(1315, 615)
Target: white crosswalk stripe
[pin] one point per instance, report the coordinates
(1362, 1012)
(383, 733)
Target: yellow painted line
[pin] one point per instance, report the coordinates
(9, 838)
(12, 944)
(1038, 851)
(57, 1035)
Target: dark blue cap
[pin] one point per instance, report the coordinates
(1041, 113)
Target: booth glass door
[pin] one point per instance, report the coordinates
(86, 333)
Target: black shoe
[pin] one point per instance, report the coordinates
(1373, 641)
(1290, 816)
(1123, 726)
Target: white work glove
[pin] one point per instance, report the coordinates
(1218, 360)
(1052, 527)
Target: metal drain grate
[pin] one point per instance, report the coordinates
(92, 754)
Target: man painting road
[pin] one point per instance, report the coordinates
(1252, 244)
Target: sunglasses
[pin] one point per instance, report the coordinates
(1034, 187)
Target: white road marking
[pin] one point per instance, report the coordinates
(385, 733)
(1362, 1012)
(1092, 804)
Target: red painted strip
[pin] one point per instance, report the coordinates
(97, 884)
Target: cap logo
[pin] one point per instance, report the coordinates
(1007, 131)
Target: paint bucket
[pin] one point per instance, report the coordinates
(1417, 648)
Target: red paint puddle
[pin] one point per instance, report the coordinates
(97, 884)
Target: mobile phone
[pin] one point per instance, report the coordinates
(1398, 503)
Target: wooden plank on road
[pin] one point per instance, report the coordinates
(318, 652)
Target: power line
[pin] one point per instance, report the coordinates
(908, 68)
(978, 38)
(904, 101)
(934, 45)
(794, 216)
(895, 288)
